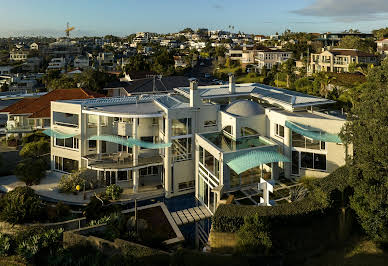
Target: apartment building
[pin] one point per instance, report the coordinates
(207, 139)
(338, 60)
(57, 64)
(269, 57)
(81, 62)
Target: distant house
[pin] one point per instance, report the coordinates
(34, 46)
(382, 46)
(81, 62)
(180, 61)
(150, 84)
(269, 57)
(5, 70)
(31, 114)
(333, 38)
(18, 55)
(338, 60)
(57, 63)
(32, 64)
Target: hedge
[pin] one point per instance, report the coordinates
(230, 217)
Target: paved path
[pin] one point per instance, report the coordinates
(191, 215)
(48, 190)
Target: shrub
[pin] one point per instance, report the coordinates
(5, 244)
(113, 192)
(38, 242)
(229, 218)
(21, 205)
(97, 209)
(31, 170)
(81, 177)
(253, 236)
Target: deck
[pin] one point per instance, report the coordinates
(191, 215)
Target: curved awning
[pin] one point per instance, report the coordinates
(130, 142)
(57, 134)
(312, 133)
(241, 162)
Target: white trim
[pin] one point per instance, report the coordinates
(101, 113)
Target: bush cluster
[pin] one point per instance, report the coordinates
(83, 177)
(324, 194)
(113, 192)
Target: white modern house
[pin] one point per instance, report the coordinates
(81, 62)
(207, 139)
(57, 63)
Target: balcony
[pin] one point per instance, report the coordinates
(15, 127)
(121, 161)
(122, 128)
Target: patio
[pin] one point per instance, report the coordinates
(120, 160)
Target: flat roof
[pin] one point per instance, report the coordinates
(131, 110)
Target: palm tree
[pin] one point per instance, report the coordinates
(325, 79)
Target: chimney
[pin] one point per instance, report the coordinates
(194, 93)
(232, 84)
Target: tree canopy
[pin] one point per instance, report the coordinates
(367, 130)
(354, 42)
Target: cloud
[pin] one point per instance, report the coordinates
(346, 10)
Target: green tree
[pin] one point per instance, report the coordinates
(367, 132)
(324, 79)
(253, 236)
(354, 42)
(20, 205)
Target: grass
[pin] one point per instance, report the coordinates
(358, 251)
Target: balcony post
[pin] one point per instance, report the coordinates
(135, 154)
(99, 143)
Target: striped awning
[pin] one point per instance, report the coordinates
(130, 142)
(243, 161)
(59, 135)
(312, 133)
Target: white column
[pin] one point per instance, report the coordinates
(135, 155)
(99, 132)
(167, 161)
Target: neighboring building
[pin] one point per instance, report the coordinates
(4, 70)
(31, 114)
(338, 60)
(382, 46)
(18, 55)
(105, 58)
(34, 46)
(333, 39)
(211, 139)
(22, 84)
(269, 57)
(81, 62)
(32, 64)
(180, 61)
(57, 63)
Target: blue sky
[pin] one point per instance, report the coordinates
(122, 17)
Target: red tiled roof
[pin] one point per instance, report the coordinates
(40, 107)
(18, 105)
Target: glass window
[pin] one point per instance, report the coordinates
(181, 126)
(279, 130)
(92, 120)
(92, 144)
(181, 149)
(59, 142)
(295, 163)
(306, 160)
(319, 161)
(209, 162)
(201, 155)
(246, 131)
(312, 144)
(323, 145)
(228, 129)
(234, 179)
(298, 140)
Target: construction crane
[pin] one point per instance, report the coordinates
(68, 29)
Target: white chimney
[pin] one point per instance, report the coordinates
(232, 84)
(195, 98)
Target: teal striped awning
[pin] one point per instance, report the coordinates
(57, 134)
(312, 133)
(241, 162)
(130, 142)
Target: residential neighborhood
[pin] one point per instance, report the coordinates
(222, 143)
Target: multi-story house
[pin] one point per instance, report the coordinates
(338, 60)
(33, 113)
(210, 139)
(18, 55)
(269, 57)
(57, 63)
(81, 62)
(105, 58)
(333, 38)
(382, 46)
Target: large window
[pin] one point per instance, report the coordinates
(71, 143)
(181, 126)
(65, 119)
(181, 149)
(279, 130)
(186, 185)
(299, 141)
(308, 160)
(246, 131)
(65, 164)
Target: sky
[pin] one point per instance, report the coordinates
(123, 17)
